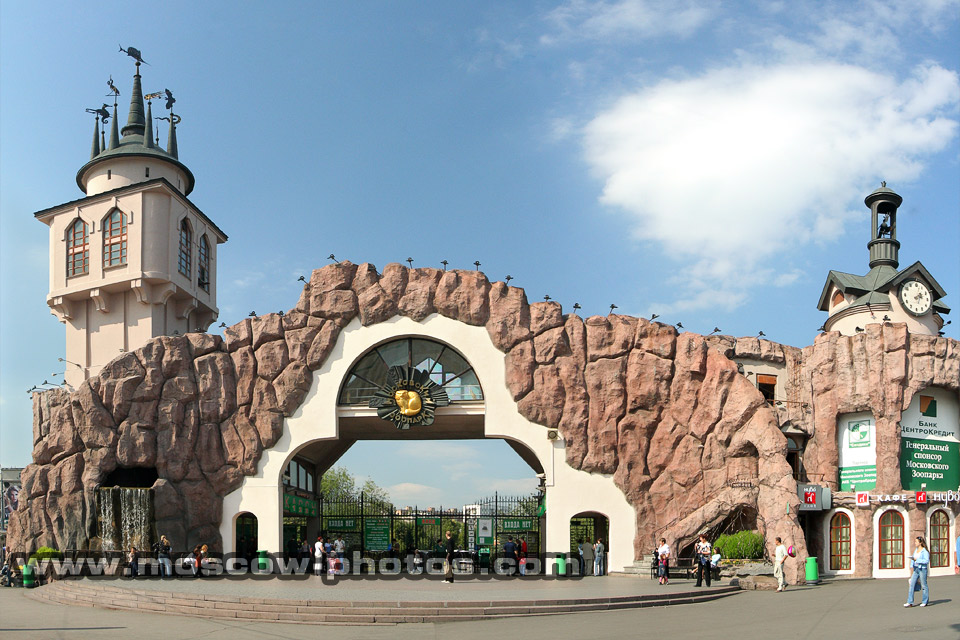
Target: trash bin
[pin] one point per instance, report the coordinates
(813, 573)
(263, 561)
(29, 576)
(561, 564)
(484, 557)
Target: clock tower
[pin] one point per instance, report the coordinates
(884, 294)
(133, 258)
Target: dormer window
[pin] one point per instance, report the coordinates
(78, 249)
(837, 298)
(185, 256)
(114, 239)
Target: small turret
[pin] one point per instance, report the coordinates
(114, 133)
(147, 139)
(883, 246)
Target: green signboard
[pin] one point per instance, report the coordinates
(342, 524)
(297, 506)
(484, 531)
(858, 452)
(429, 521)
(376, 534)
(516, 524)
(930, 442)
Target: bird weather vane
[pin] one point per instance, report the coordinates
(133, 53)
(114, 92)
(166, 93)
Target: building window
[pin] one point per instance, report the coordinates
(795, 457)
(939, 539)
(891, 540)
(840, 542)
(767, 385)
(78, 249)
(203, 264)
(185, 256)
(115, 239)
(837, 298)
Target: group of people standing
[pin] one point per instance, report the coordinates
(704, 557)
(592, 555)
(328, 554)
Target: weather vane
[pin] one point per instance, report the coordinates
(114, 92)
(101, 113)
(133, 53)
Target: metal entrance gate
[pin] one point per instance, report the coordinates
(378, 529)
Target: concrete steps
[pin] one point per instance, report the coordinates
(86, 593)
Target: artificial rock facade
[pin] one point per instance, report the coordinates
(687, 438)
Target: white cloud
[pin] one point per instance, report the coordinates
(412, 492)
(730, 168)
(601, 20)
(508, 486)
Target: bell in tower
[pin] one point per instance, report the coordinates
(884, 247)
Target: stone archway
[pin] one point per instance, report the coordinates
(646, 418)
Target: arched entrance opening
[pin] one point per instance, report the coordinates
(246, 535)
(587, 528)
(440, 359)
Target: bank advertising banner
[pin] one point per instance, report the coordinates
(858, 451)
(930, 442)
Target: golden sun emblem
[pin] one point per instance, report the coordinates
(408, 401)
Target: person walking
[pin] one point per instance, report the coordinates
(702, 554)
(663, 561)
(448, 559)
(599, 560)
(920, 563)
(779, 560)
(588, 554)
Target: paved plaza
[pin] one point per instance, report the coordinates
(842, 608)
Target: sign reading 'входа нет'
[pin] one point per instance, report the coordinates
(930, 442)
(857, 434)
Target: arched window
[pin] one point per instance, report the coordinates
(891, 540)
(837, 298)
(114, 239)
(185, 256)
(203, 264)
(446, 367)
(840, 542)
(939, 539)
(78, 249)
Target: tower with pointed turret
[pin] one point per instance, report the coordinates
(133, 258)
(884, 294)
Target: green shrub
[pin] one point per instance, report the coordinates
(743, 545)
(44, 553)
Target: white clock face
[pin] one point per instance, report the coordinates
(915, 297)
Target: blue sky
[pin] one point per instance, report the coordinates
(706, 161)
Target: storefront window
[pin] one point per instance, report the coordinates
(891, 540)
(939, 539)
(840, 542)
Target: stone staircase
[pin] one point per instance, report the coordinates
(86, 593)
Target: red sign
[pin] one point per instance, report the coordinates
(921, 497)
(810, 497)
(863, 498)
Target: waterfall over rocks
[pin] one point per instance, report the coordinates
(124, 518)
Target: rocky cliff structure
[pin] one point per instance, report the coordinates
(689, 440)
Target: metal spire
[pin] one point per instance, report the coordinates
(135, 121)
(147, 133)
(114, 134)
(95, 147)
(172, 138)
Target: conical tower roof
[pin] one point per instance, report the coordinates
(135, 119)
(136, 139)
